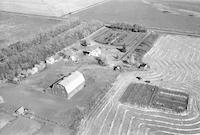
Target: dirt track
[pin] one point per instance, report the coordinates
(174, 62)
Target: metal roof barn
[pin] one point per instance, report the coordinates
(68, 86)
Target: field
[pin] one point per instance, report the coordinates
(151, 96)
(137, 12)
(46, 7)
(183, 8)
(174, 66)
(192, 5)
(15, 27)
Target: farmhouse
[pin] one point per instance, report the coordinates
(67, 86)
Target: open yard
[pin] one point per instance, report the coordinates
(21, 126)
(54, 108)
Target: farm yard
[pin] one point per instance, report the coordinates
(174, 66)
(140, 77)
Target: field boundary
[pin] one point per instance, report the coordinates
(174, 31)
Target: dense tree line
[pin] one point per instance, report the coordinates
(127, 27)
(23, 55)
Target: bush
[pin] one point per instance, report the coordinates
(127, 27)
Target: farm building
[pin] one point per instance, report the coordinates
(67, 86)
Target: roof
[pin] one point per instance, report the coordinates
(73, 81)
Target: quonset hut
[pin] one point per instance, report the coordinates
(67, 86)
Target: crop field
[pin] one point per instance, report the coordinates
(15, 27)
(118, 37)
(192, 5)
(45, 7)
(155, 97)
(174, 62)
(137, 12)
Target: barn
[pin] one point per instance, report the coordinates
(67, 86)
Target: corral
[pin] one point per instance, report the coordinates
(145, 95)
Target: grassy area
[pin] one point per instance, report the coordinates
(15, 27)
(21, 126)
(68, 112)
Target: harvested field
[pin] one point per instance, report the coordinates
(46, 7)
(174, 62)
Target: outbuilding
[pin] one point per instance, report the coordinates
(67, 86)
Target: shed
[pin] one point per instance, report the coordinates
(50, 60)
(1, 100)
(68, 86)
(96, 52)
(21, 111)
